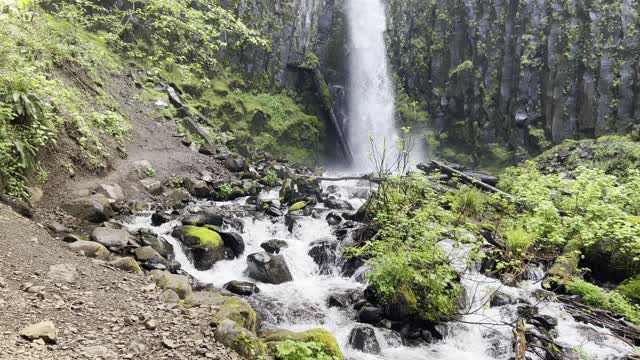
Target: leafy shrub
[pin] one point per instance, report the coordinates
(300, 350)
(612, 300)
(35, 104)
(406, 254)
(467, 200)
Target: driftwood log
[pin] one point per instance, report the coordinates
(466, 178)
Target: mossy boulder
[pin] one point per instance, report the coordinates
(321, 336)
(203, 246)
(630, 288)
(298, 206)
(90, 249)
(127, 264)
(239, 311)
(243, 341)
(178, 283)
(564, 268)
(402, 305)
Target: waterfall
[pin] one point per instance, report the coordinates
(371, 100)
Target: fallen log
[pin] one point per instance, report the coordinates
(464, 177)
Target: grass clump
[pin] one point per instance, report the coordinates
(611, 300)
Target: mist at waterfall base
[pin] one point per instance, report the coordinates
(302, 304)
(371, 125)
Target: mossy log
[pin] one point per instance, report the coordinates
(564, 268)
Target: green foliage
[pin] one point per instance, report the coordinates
(612, 300)
(165, 33)
(462, 68)
(406, 253)
(270, 179)
(267, 122)
(468, 200)
(630, 288)
(38, 98)
(301, 350)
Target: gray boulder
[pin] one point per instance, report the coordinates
(363, 338)
(268, 268)
(111, 238)
(95, 208)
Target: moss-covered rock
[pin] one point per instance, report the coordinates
(565, 266)
(127, 264)
(298, 206)
(239, 311)
(321, 336)
(178, 283)
(243, 341)
(203, 246)
(90, 249)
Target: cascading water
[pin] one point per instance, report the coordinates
(303, 304)
(370, 92)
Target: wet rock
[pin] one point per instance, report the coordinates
(158, 218)
(544, 321)
(159, 244)
(363, 338)
(234, 242)
(111, 191)
(111, 238)
(244, 288)
(527, 311)
(268, 268)
(290, 221)
(399, 308)
(323, 253)
(203, 246)
(204, 218)
(333, 219)
(45, 330)
(95, 208)
(338, 204)
(90, 249)
(370, 315)
(500, 298)
(273, 246)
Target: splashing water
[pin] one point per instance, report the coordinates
(302, 303)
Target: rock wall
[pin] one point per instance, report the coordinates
(515, 72)
(295, 27)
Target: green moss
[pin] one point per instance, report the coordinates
(406, 296)
(239, 311)
(298, 206)
(205, 237)
(322, 336)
